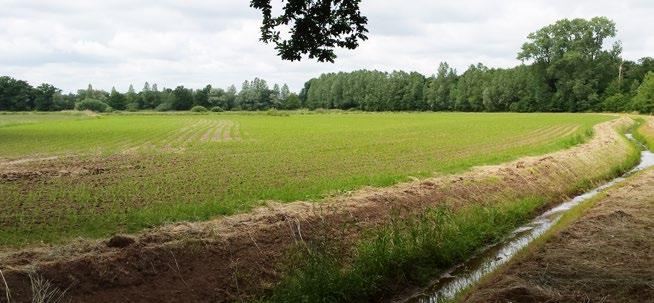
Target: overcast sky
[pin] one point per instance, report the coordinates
(197, 42)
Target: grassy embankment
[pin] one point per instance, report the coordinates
(645, 131)
(409, 252)
(123, 173)
(490, 284)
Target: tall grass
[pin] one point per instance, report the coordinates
(578, 138)
(644, 132)
(406, 251)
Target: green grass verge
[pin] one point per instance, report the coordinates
(644, 133)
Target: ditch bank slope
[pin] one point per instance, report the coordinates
(607, 255)
(239, 257)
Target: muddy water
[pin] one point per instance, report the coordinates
(460, 277)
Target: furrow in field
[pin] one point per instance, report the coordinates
(538, 137)
(489, 148)
(182, 132)
(530, 138)
(450, 153)
(185, 132)
(234, 132)
(199, 131)
(219, 134)
(211, 132)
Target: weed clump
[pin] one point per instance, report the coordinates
(578, 138)
(404, 252)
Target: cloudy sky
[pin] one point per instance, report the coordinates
(196, 42)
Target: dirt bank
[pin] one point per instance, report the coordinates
(238, 257)
(607, 255)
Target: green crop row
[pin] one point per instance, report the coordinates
(123, 173)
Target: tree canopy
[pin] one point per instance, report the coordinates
(576, 37)
(315, 27)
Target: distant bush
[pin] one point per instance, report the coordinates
(274, 112)
(644, 99)
(164, 107)
(199, 109)
(63, 104)
(92, 104)
(615, 103)
(132, 107)
(216, 109)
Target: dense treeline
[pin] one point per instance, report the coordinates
(17, 95)
(568, 70)
(566, 67)
(480, 88)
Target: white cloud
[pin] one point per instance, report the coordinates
(199, 42)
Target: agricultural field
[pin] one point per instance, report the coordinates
(63, 176)
(16, 118)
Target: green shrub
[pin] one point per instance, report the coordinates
(92, 105)
(132, 107)
(199, 109)
(216, 109)
(164, 107)
(615, 103)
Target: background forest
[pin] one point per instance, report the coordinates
(566, 67)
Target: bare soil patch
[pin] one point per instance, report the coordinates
(605, 256)
(238, 257)
(35, 169)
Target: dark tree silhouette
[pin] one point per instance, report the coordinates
(315, 27)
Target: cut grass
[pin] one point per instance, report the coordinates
(171, 174)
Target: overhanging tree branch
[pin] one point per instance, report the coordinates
(315, 27)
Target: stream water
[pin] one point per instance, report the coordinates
(448, 285)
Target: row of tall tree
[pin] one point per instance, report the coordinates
(565, 68)
(18, 95)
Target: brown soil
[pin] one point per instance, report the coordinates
(607, 255)
(36, 169)
(238, 257)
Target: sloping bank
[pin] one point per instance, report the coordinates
(300, 244)
(600, 252)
